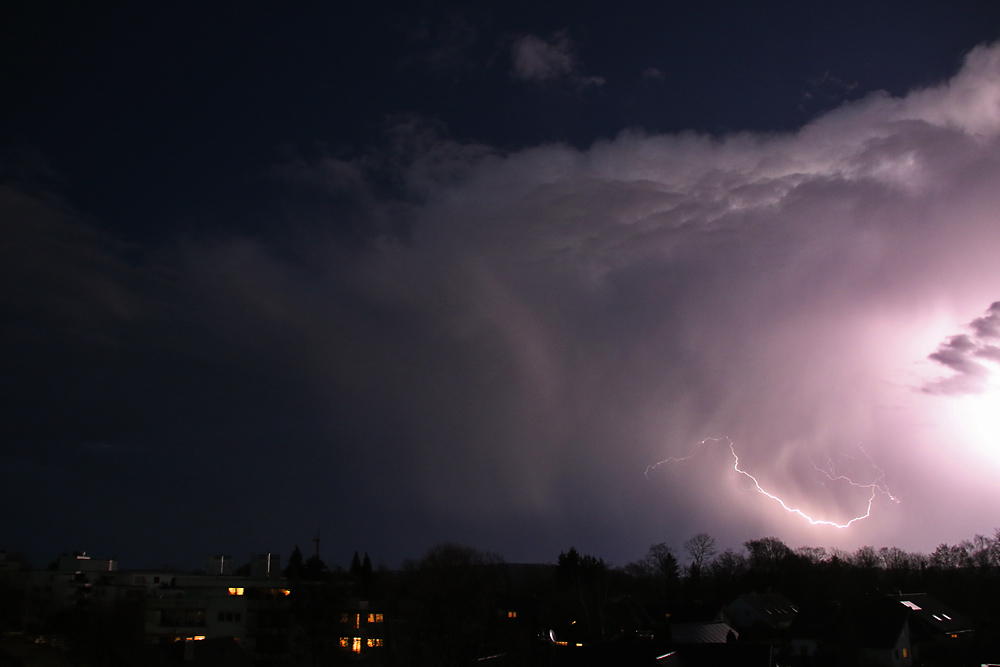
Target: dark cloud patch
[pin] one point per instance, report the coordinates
(988, 326)
(539, 60)
(961, 353)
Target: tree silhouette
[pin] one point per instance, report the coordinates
(584, 578)
(700, 548)
(295, 569)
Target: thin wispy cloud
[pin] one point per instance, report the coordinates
(535, 59)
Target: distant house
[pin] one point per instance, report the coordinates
(891, 631)
(810, 630)
(933, 620)
(253, 610)
(882, 634)
(938, 632)
(76, 580)
(767, 612)
(362, 629)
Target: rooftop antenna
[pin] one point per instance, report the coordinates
(316, 540)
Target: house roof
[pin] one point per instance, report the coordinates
(775, 609)
(932, 614)
(701, 633)
(769, 602)
(733, 654)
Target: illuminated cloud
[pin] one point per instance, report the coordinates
(652, 290)
(494, 343)
(963, 354)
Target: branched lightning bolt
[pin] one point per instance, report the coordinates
(876, 487)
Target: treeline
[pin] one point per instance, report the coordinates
(455, 604)
(699, 575)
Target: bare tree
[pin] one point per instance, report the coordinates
(765, 554)
(894, 559)
(700, 548)
(813, 555)
(949, 557)
(980, 551)
(729, 565)
(865, 557)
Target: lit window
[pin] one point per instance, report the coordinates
(906, 653)
(374, 643)
(235, 591)
(357, 621)
(511, 614)
(345, 642)
(356, 646)
(198, 638)
(285, 591)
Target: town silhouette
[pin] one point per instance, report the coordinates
(766, 604)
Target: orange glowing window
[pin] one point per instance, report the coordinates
(235, 591)
(356, 646)
(345, 642)
(906, 653)
(374, 618)
(511, 614)
(374, 643)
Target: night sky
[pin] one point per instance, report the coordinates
(402, 273)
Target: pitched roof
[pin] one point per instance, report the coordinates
(933, 614)
(701, 633)
(775, 609)
(733, 654)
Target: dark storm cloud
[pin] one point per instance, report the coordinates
(988, 326)
(477, 342)
(559, 318)
(55, 264)
(963, 353)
